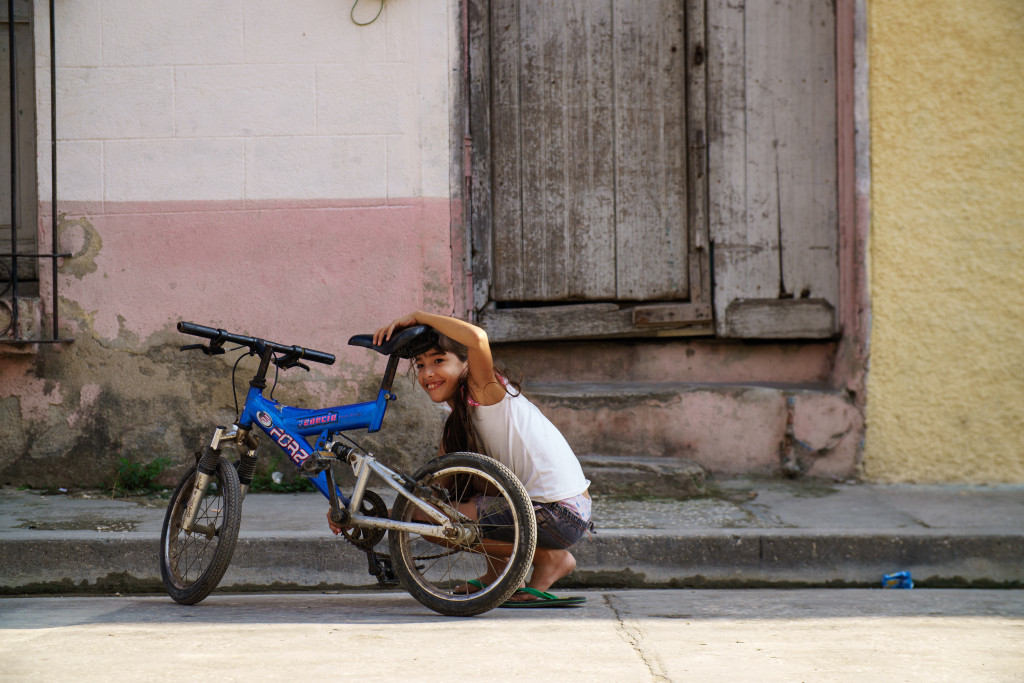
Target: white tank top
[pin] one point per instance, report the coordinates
(517, 434)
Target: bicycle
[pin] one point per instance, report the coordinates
(433, 548)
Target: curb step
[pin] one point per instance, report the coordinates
(656, 477)
(745, 532)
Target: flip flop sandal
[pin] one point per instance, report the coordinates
(543, 600)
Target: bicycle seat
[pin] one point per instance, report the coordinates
(407, 343)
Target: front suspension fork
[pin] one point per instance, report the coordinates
(206, 468)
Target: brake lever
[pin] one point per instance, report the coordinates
(210, 350)
(287, 365)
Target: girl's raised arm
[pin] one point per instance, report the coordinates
(486, 389)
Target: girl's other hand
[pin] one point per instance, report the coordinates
(334, 527)
(384, 333)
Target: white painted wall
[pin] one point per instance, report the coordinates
(162, 100)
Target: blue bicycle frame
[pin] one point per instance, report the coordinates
(289, 427)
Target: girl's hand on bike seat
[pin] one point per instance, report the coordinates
(384, 333)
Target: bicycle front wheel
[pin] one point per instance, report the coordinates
(193, 563)
(435, 571)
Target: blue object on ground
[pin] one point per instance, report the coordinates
(897, 580)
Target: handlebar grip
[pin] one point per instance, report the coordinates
(318, 356)
(197, 330)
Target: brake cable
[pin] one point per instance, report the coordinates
(234, 391)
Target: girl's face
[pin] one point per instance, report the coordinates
(439, 372)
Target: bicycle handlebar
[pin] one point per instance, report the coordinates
(217, 337)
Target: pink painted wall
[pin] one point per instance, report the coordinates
(306, 272)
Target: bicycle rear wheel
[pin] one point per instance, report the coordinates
(431, 570)
(192, 564)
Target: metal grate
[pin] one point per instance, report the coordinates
(11, 335)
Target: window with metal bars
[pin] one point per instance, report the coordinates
(19, 205)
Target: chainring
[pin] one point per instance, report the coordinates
(361, 537)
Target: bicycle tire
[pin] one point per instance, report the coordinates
(191, 565)
(430, 572)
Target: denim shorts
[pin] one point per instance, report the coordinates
(557, 526)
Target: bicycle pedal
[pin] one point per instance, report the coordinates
(313, 466)
(380, 566)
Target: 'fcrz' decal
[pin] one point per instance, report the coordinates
(295, 451)
(316, 420)
(264, 419)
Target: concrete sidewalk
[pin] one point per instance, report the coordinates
(750, 533)
(618, 635)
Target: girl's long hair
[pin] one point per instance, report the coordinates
(459, 434)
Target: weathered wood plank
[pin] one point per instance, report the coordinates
(509, 265)
(772, 192)
(583, 321)
(650, 153)
(696, 133)
(668, 231)
(791, 138)
(670, 314)
(480, 196)
(590, 193)
(764, 22)
(541, 86)
(808, 202)
(739, 269)
(780, 319)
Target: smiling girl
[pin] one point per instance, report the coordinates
(490, 415)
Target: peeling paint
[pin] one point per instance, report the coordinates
(85, 244)
(88, 396)
(35, 395)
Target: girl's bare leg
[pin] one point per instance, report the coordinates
(550, 565)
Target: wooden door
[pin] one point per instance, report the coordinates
(588, 167)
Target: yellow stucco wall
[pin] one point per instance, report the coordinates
(945, 398)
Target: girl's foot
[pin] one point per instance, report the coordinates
(548, 566)
(470, 587)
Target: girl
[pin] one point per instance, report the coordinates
(489, 415)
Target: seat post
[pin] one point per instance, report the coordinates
(389, 374)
